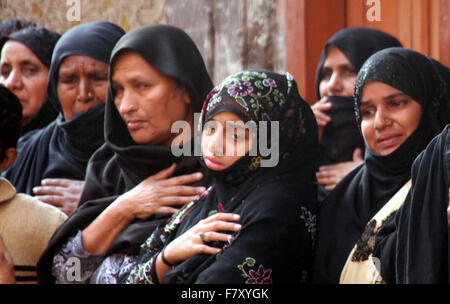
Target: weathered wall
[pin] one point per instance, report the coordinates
(231, 34)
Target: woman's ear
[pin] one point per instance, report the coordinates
(9, 158)
(186, 95)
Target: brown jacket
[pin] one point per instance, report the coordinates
(26, 226)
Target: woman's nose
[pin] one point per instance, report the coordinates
(334, 85)
(85, 94)
(215, 144)
(13, 81)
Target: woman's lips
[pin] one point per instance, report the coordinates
(212, 164)
(135, 125)
(389, 141)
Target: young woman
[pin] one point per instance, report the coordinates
(255, 224)
(341, 143)
(400, 106)
(157, 77)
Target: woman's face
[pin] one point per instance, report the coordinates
(339, 75)
(82, 84)
(388, 117)
(148, 101)
(224, 141)
(25, 75)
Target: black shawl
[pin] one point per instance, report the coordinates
(63, 148)
(41, 42)
(121, 164)
(355, 200)
(277, 204)
(413, 247)
(341, 136)
(11, 26)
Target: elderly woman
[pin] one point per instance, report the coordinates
(52, 161)
(399, 111)
(157, 77)
(24, 69)
(341, 144)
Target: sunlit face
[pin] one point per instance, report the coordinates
(148, 101)
(224, 141)
(25, 75)
(388, 117)
(82, 84)
(339, 75)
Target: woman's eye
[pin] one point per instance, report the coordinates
(142, 85)
(349, 72)
(366, 112)
(68, 80)
(396, 104)
(5, 73)
(28, 71)
(208, 129)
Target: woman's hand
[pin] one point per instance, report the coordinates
(60, 192)
(159, 193)
(6, 265)
(322, 119)
(331, 175)
(194, 241)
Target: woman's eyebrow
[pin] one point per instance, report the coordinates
(393, 95)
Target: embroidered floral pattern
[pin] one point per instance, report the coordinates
(310, 221)
(259, 276)
(240, 89)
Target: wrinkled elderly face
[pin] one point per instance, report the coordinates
(148, 101)
(339, 75)
(25, 75)
(388, 117)
(82, 84)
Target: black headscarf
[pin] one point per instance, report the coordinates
(413, 247)
(275, 242)
(11, 116)
(121, 164)
(356, 199)
(341, 136)
(41, 42)
(63, 148)
(11, 26)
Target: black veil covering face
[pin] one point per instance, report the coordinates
(356, 199)
(277, 204)
(341, 136)
(41, 42)
(413, 247)
(63, 148)
(121, 164)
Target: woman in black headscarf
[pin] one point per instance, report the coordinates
(274, 203)
(26, 76)
(341, 144)
(77, 88)
(11, 26)
(157, 76)
(401, 103)
(413, 247)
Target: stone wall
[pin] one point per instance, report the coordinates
(231, 34)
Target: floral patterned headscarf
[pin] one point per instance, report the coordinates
(258, 95)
